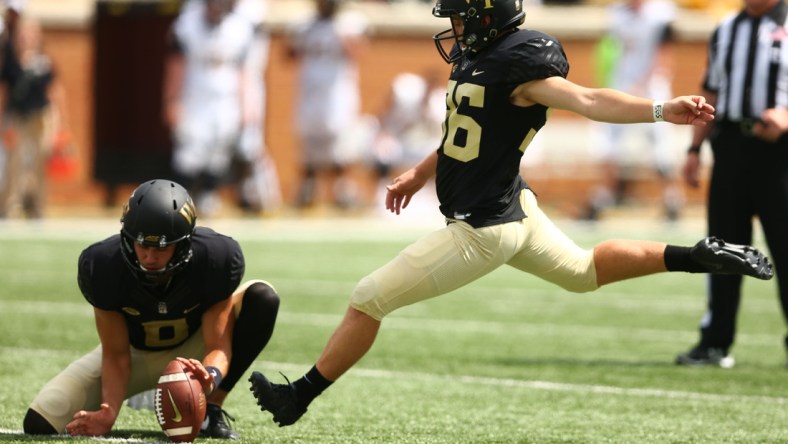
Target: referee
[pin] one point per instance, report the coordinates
(747, 80)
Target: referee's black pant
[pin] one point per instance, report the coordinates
(749, 178)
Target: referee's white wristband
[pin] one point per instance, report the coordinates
(658, 111)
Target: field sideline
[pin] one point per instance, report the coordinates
(508, 359)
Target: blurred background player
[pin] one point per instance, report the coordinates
(206, 80)
(257, 178)
(328, 48)
(637, 60)
(33, 104)
(409, 125)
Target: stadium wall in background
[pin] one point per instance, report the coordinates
(401, 41)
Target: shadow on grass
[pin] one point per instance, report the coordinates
(137, 436)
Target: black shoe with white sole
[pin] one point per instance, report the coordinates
(706, 356)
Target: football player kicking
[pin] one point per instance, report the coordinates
(160, 289)
(502, 83)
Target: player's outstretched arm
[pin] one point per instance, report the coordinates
(610, 105)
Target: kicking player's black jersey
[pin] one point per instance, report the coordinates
(484, 135)
(162, 317)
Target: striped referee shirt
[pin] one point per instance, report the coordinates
(748, 64)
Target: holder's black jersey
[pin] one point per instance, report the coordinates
(162, 317)
(484, 135)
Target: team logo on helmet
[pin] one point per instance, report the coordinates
(152, 239)
(188, 211)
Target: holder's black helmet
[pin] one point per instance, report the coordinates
(159, 213)
(482, 20)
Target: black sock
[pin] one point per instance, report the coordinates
(310, 385)
(679, 259)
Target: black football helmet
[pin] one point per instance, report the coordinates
(482, 21)
(159, 213)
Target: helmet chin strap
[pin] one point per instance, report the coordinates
(162, 278)
(157, 276)
(153, 271)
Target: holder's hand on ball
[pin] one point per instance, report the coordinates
(199, 371)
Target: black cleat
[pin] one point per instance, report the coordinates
(706, 356)
(720, 257)
(279, 399)
(215, 425)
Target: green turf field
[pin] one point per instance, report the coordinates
(508, 359)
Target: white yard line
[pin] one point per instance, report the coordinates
(412, 323)
(545, 385)
(21, 434)
(284, 229)
(488, 381)
(382, 227)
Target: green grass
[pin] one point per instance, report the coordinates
(508, 359)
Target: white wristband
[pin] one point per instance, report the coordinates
(658, 111)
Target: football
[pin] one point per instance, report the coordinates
(179, 403)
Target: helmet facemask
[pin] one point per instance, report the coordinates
(483, 21)
(180, 258)
(456, 47)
